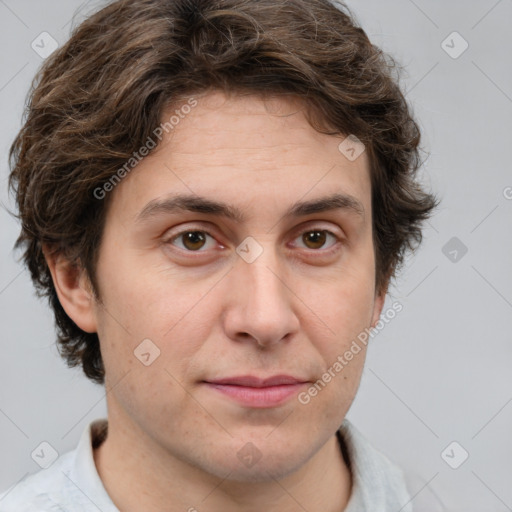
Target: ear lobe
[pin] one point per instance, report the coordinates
(73, 289)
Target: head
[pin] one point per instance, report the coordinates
(241, 107)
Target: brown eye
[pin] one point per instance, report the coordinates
(192, 240)
(314, 239)
(317, 240)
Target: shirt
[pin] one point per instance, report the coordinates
(72, 482)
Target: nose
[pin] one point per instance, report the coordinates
(262, 305)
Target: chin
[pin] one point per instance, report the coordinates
(250, 464)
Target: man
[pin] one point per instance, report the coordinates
(214, 197)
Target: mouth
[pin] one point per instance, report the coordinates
(257, 392)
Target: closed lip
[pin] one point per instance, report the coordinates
(251, 381)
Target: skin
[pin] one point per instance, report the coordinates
(173, 440)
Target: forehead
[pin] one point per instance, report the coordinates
(245, 150)
(249, 122)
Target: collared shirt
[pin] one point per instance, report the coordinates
(72, 482)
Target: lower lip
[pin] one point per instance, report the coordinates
(270, 396)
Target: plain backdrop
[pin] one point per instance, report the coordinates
(438, 373)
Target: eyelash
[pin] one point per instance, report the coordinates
(333, 248)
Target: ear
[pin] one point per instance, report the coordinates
(377, 306)
(380, 298)
(73, 289)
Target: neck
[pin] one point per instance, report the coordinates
(145, 477)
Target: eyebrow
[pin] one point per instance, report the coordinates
(199, 204)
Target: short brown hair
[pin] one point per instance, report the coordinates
(100, 96)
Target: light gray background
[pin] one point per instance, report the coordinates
(440, 371)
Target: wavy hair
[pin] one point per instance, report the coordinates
(100, 96)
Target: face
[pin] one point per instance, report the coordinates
(242, 306)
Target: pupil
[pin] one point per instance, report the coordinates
(194, 240)
(316, 237)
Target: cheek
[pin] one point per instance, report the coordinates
(343, 311)
(157, 311)
(341, 308)
(141, 298)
